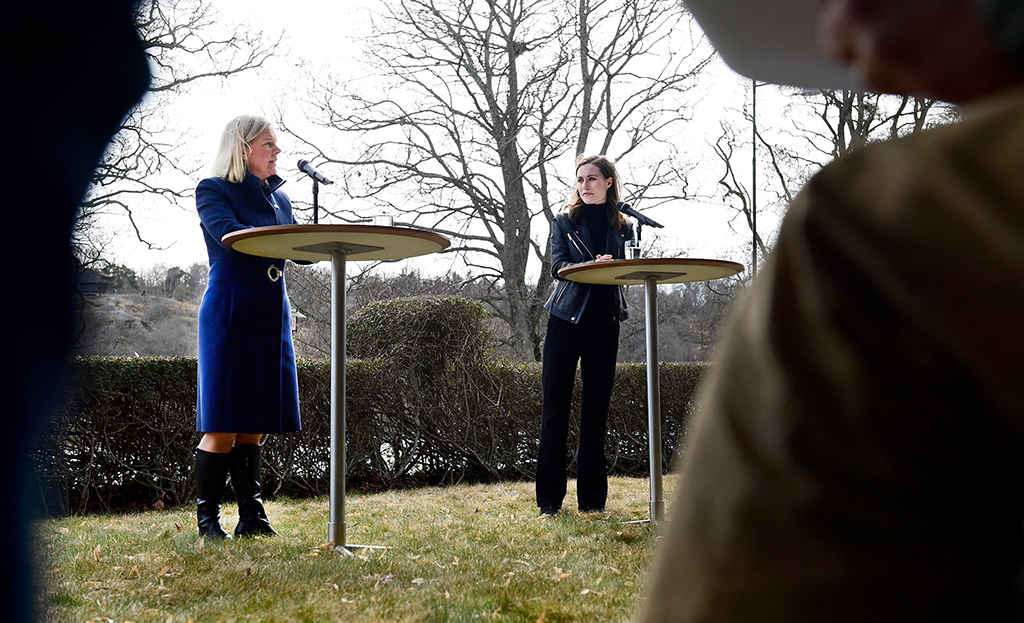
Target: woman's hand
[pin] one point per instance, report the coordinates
(603, 258)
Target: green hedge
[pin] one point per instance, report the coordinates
(424, 406)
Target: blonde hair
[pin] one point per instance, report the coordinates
(576, 205)
(235, 143)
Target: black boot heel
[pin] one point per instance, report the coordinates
(246, 464)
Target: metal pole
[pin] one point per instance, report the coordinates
(336, 525)
(654, 398)
(316, 205)
(753, 181)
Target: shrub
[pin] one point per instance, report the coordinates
(123, 436)
(428, 335)
(419, 411)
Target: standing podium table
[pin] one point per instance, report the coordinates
(337, 243)
(651, 272)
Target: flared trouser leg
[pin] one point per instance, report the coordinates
(597, 375)
(560, 357)
(566, 346)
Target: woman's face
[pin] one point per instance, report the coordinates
(261, 160)
(592, 185)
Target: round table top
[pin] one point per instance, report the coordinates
(315, 243)
(662, 269)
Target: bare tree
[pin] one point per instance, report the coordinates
(818, 127)
(733, 190)
(690, 318)
(186, 43)
(848, 120)
(478, 108)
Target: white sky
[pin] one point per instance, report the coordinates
(320, 35)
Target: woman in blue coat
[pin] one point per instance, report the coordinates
(247, 380)
(583, 329)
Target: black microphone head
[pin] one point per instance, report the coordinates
(623, 206)
(303, 164)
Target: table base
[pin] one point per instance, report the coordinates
(336, 523)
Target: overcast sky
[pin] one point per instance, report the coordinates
(321, 35)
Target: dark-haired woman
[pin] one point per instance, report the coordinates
(583, 329)
(247, 380)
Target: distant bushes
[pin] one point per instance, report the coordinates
(133, 324)
(425, 405)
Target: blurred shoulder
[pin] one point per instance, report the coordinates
(975, 163)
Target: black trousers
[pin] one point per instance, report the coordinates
(594, 345)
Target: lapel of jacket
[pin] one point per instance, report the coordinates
(614, 242)
(581, 234)
(266, 213)
(587, 238)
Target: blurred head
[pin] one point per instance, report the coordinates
(248, 145)
(934, 48)
(955, 50)
(596, 183)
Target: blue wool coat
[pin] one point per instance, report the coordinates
(247, 380)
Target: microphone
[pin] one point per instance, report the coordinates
(640, 218)
(308, 169)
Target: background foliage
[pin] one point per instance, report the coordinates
(425, 405)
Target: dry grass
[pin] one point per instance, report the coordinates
(463, 553)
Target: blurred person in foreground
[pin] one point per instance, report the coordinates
(248, 385)
(583, 330)
(860, 452)
(76, 69)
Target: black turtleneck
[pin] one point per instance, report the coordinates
(603, 299)
(596, 219)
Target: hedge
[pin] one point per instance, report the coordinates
(425, 406)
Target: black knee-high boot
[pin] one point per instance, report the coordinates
(246, 463)
(211, 478)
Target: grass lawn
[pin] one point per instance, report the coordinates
(462, 553)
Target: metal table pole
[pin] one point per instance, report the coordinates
(341, 243)
(654, 398)
(336, 525)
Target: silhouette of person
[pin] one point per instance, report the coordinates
(75, 70)
(860, 451)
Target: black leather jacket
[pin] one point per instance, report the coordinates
(572, 243)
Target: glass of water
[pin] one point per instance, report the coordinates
(384, 221)
(632, 250)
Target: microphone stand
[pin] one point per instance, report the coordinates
(316, 194)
